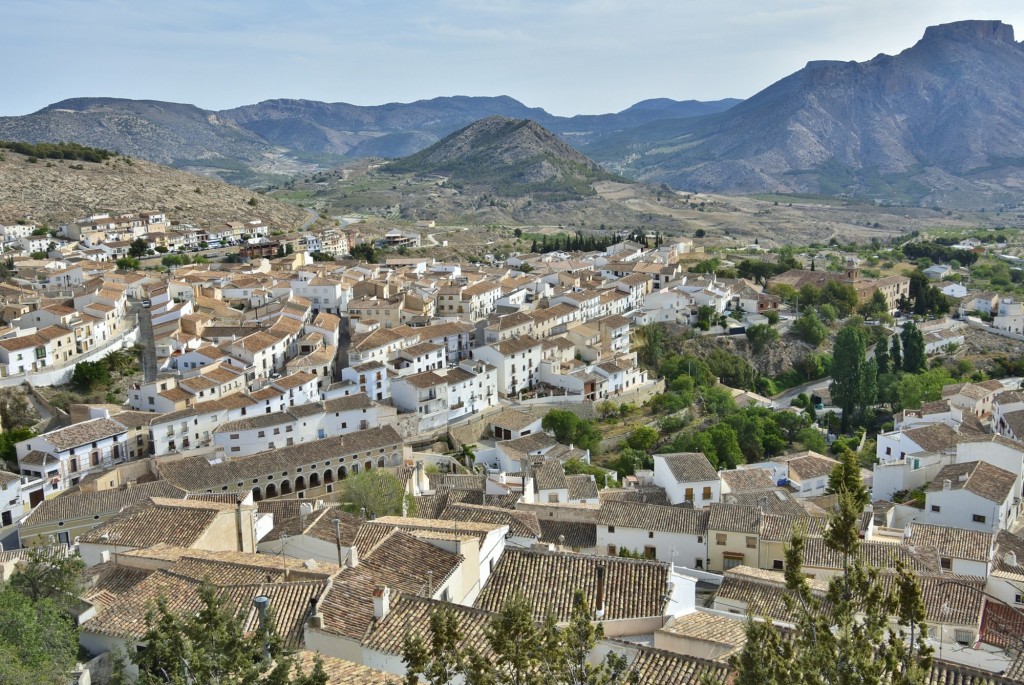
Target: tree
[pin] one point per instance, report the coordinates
(570, 429)
(650, 343)
(761, 336)
(914, 357)
(375, 493)
(38, 641)
(15, 410)
(127, 263)
(882, 356)
(438, 661)
(812, 439)
(517, 644)
(642, 438)
(607, 409)
(89, 376)
(810, 329)
(365, 252)
(211, 646)
(850, 388)
(50, 573)
(845, 480)
(844, 637)
(138, 248)
(895, 354)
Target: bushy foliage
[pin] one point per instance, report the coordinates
(58, 151)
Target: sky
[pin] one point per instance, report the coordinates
(567, 56)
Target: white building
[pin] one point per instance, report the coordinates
(973, 495)
(687, 477)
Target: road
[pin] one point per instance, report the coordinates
(313, 216)
(784, 399)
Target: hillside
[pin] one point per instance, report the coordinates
(288, 136)
(55, 192)
(937, 124)
(510, 157)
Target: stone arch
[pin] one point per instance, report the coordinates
(368, 465)
(380, 463)
(355, 469)
(328, 476)
(300, 483)
(314, 480)
(257, 494)
(271, 490)
(286, 487)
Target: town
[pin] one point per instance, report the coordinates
(362, 437)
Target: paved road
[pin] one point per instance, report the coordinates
(313, 216)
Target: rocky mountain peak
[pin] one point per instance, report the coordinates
(975, 29)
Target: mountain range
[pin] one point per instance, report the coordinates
(937, 124)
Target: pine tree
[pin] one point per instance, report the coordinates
(849, 369)
(211, 646)
(914, 357)
(882, 357)
(439, 661)
(895, 355)
(845, 479)
(843, 637)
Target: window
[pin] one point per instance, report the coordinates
(978, 518)
(731, 561)
(261, 434)
(963, 637)
(707, 492)
(611, 529)
(689, 494)
(612, 551)
(720, 538)
(779, 565)
(946, 563)
(698, 563)
(936, 508)
(888, 450)
(650, 552)
(751, 542)
(1018, 599)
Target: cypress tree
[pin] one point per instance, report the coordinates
(895, 355)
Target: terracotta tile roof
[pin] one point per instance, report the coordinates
(513, 419)
(657, 667)
(744, 480)
(808, 465)
(549, 475)
(779, 528)
(653, 517)
(341, 672)
(734, 517)
(568, 533)
(74, 505)
(648, 494)
(409, 564)
(770, 501)
(957, 543)
(633, 588)
(173, 522)
(689, 467)
(706, 627)
(581, 487)
(520, 523)
(198, 474)
(934, 437)
(410, 523)
(978, 477)
(884, 555)
(83, 433)
(514, 345)
(410, 617)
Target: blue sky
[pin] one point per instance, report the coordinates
(569, 57)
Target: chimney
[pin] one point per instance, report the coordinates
(238, 525)
(316, 619)
(353, 557)
(1010, 558)
(947, 484)
(381, 602)
(963, 477)
(599, 604)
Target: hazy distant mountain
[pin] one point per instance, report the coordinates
(511, 157)
(942, 122)
(256, 136)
